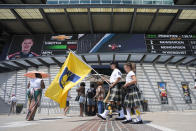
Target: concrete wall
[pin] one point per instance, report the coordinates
(147, 74)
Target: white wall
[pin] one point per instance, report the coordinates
(147, 74)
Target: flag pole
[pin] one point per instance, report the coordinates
(90, 67)
(108, 94)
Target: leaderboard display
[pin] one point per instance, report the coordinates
(171, 44)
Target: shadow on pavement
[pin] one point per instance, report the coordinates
(147, 121)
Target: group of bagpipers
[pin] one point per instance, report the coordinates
(131, 100)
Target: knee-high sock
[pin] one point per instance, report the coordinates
(137, 112)
(121, 111)
(105, 113)
(107, 110)
(128, 116)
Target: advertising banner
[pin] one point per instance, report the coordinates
(121, 43)
(162, 92)
(25, 46)
(186, 91)
(43, 45)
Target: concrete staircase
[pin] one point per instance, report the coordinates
(4, 107)
(148, 75)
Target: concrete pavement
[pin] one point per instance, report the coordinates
(153, 121)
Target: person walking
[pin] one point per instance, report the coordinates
(81, 94)
(100, 96)
(67, 102)
(13, 101)
(132, 98)
(34, 93)
(115, 97)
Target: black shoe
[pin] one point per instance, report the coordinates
(101, 117)
(138, 122)
(120, 118)
(110, 116)
(127, 121)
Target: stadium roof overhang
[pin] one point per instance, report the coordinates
(50, 19)
(23, 1)
(47, 19)
(99, 59)
(178, 2)
(185, 2)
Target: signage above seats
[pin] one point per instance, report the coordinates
(25, 46)
(171, 44)
(138, 43)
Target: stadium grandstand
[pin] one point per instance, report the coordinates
(158, 35)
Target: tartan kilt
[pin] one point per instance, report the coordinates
(115, 94)
(133, 97)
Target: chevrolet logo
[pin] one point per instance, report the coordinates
(61, 37)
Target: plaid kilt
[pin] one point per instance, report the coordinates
(115, 94)
(133, 97)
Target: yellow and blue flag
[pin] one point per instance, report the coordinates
(70, 74)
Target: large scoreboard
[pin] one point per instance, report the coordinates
(171, 44)
(25, 46)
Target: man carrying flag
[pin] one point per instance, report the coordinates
(70, 74)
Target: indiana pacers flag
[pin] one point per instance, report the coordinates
(70, 74)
